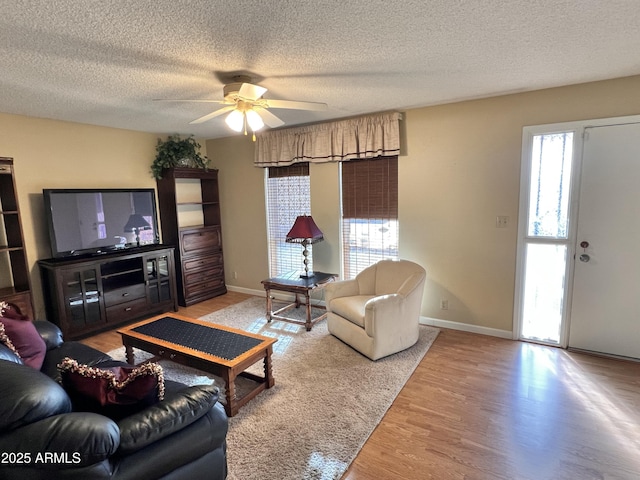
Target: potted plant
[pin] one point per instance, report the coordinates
(177, 152)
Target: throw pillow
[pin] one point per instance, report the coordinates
(113, 386)
(22, 336)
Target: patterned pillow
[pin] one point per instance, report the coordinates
(113, 386)
(20, 335)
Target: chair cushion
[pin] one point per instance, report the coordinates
(351, 308)
(182, 406)
(22, 336)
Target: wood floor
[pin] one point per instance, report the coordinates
(480, 407)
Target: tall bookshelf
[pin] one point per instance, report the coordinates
(190, 217)
(15, 283)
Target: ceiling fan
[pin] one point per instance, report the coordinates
(244, 102)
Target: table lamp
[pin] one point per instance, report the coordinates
(306, 232)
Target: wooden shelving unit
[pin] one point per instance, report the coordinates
(15, 283)
(192, 223)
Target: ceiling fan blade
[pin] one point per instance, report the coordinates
(211, 115)
(224, 102)
(268, 118)
(251, 92)
(295, 105)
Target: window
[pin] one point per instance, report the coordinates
(545, 243)
(369, 212)
(288, 196)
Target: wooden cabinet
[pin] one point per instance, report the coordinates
(84, 296)
(190, 217)
(15, 284)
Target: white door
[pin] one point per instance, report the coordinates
(605, 307)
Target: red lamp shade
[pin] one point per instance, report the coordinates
(304, 230)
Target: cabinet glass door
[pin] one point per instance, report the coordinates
(83, 297)
(158, 279)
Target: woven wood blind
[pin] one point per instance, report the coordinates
(370, 188)
(369, 213)
(295, 170)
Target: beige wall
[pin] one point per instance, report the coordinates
(53, 154)
(461, 170)
(244, 230)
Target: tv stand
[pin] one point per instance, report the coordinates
(86, 295)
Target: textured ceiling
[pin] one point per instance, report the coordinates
(104, 62)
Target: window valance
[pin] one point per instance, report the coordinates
(368, 136)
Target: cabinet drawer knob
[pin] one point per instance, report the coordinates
(128, 309)
(172, 356)
(160, 352)
(125, 294)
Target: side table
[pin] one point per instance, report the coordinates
(293, 283)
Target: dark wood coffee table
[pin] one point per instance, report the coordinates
(293, 283)
(217, 349)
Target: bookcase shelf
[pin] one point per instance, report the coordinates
(191, 221)
(15, 283)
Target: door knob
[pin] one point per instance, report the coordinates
(584, 257)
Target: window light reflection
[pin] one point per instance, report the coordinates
(546, 378)
(321, 467)
(283, 331)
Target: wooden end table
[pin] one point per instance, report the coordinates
(292, 282)
(223, 351)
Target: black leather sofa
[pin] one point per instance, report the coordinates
(42, 437)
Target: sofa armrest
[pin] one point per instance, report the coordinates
(82, 438)
(343, 288)
(175, 412)
(49, 332)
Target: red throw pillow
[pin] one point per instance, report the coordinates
(24, 337)
(113, 385)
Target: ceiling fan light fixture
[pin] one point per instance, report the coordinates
(254, 120)
(235, 120)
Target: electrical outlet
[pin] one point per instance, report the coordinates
(502, 221)
(444, 304)
(235, 275)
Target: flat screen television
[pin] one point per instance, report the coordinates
(97, 221)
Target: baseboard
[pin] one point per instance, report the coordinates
(465, 327)
(248, 291)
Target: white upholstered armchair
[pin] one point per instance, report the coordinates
(377, 313)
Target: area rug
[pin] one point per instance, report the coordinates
(326, 401)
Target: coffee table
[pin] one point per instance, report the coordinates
(217, 349)
(292, 282)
